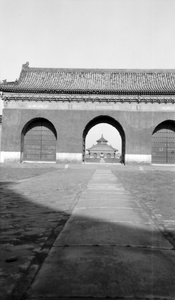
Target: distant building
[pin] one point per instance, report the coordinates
(102, 149)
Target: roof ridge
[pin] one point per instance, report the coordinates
(29, 69)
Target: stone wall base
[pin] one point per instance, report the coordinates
(6, 156)
(138, 158)
(69, 157)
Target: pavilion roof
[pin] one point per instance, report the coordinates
(101, 147)
(102, 140)
(92, 81)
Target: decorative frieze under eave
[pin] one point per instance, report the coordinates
(89, 98)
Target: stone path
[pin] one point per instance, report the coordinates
(109, 247)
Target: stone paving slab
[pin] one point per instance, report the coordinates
(111, 214)
(101, 178)
(105, 272)
(104, 187)
(90, 232)
(104, 202)
(106, 194)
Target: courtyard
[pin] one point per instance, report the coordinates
(38, 201)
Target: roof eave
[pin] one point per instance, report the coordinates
(13, 89)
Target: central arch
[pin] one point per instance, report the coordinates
(111, 121)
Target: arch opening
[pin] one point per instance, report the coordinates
(163, 143)
(38, 141)
(110, 141)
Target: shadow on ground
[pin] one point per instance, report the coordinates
(109, 258)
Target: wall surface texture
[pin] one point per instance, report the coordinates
(138, 120)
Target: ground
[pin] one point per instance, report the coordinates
(37, 200)
(154, 187)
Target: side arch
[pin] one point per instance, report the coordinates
(163, 143)
(38, 141)
(111, 121)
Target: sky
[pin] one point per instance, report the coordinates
(108, 132)
(115, 34)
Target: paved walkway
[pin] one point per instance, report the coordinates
(109, 247)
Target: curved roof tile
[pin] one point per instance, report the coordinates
(93, 80)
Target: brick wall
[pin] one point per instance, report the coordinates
(70, 124)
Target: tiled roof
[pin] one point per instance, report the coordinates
(102, 147)
(45, 80)
(102, 140)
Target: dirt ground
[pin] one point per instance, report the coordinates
(37, 200)
(154, 187)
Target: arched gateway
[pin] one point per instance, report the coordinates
(163, 143)
(133, 101)
(38, 141)
(111, 121)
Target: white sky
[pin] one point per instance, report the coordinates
(109, 133)
(86, 34)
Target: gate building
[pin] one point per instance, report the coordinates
(48, 113)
